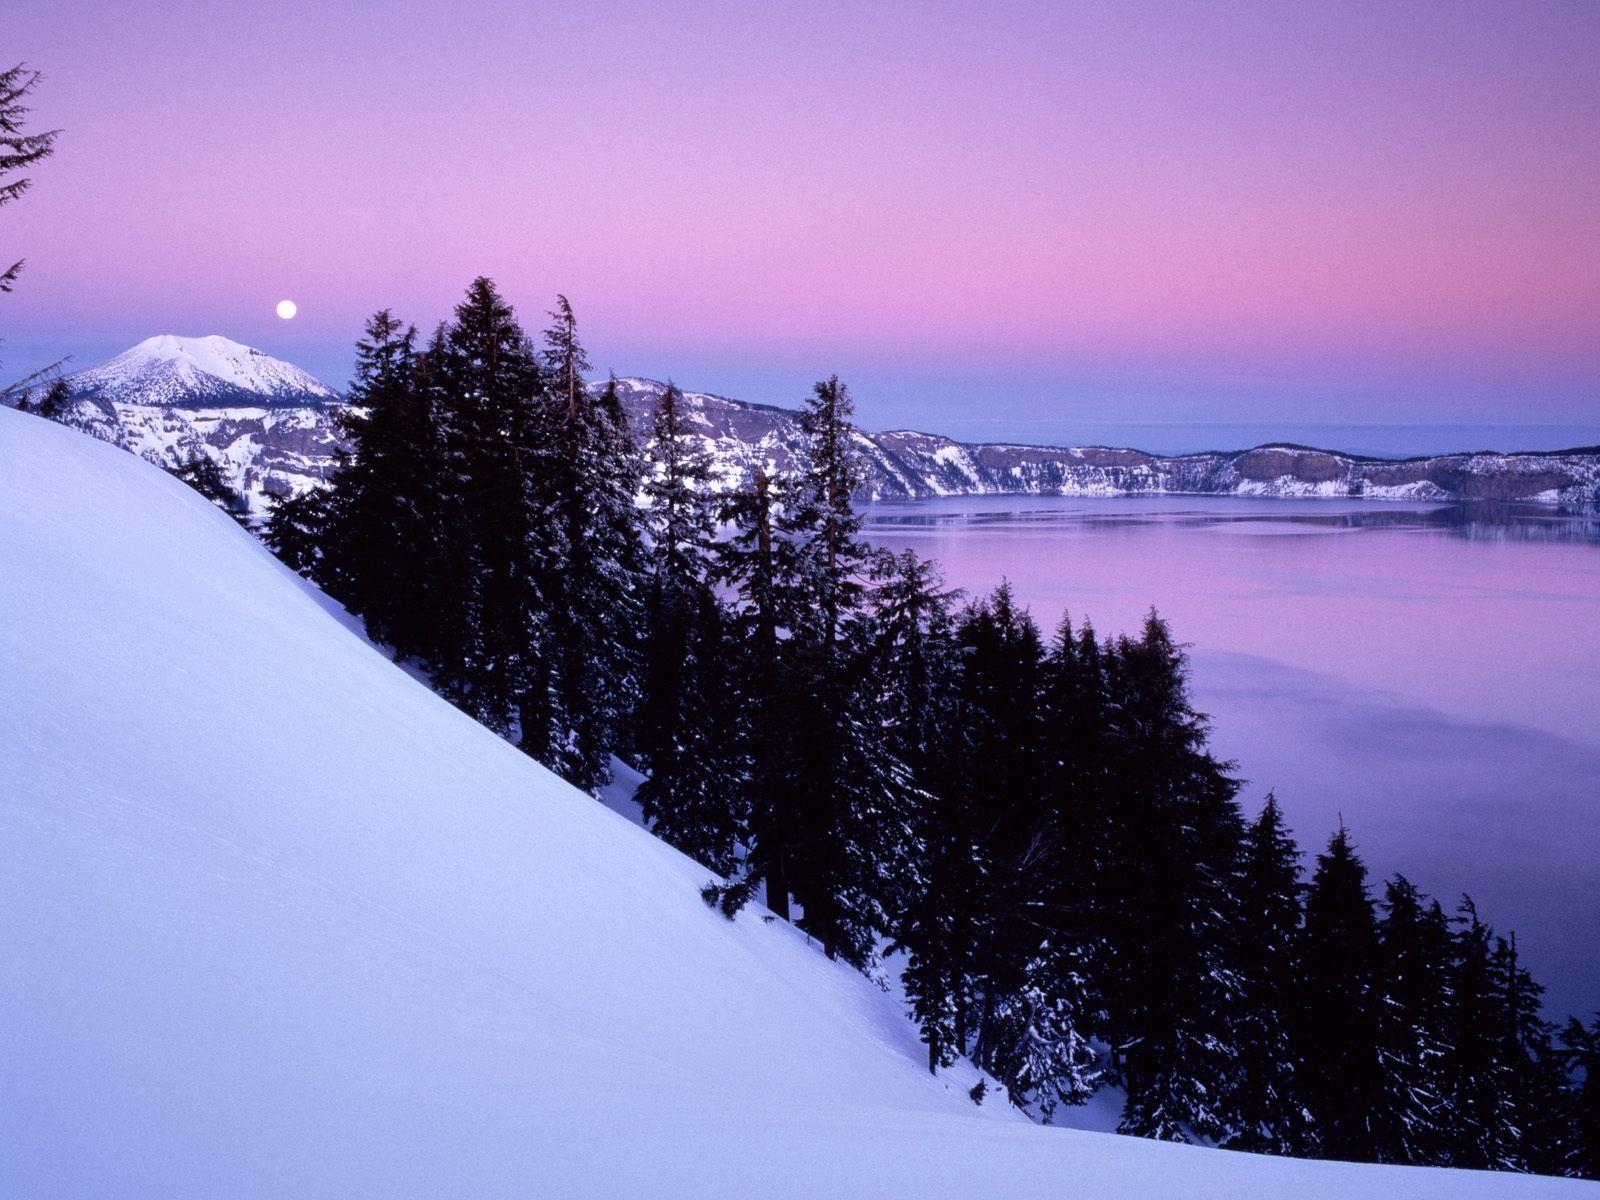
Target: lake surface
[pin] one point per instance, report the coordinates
(1429, 672)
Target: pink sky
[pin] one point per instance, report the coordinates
(1025, 213)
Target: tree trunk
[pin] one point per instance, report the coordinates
(777, 891)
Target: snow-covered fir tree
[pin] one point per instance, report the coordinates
(591, 561)
(1410, 1116)
(1166, 898)
(381, 524)
(1581, 1044)
(491, 638)
(851, 821)
(1266, 1111)
(685, 728)
(1339, 1014)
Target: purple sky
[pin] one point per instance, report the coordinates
(993, 220)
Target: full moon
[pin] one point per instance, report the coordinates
(286, 309)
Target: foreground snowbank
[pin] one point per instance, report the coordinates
(276, 921)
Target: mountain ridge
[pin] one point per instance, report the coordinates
(270, 428)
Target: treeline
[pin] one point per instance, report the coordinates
(1038, 827)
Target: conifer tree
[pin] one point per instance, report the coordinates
(1166, 897)
(1535, 1081)
(490, 636)
(1032, 998)
(1482, 1132)
(1409, 1109)
(18, 150)
(1001, 779)
(850, 820)
(1339, 1018)
(1582, 1046)
(297, 529)
(911, 658)
(56, 400)
(685, 728)
(938, 927)
(381, 549)
(204, 476)
(591, 567)
(1267, 1112)
(758, 562)
(1038, 1035)
(1077, 762)
(912, 664)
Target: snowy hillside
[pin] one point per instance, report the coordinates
(280, 922)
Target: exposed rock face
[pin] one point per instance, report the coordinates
(1264, 464)
(262, 451)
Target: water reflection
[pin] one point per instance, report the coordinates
(1492, 521)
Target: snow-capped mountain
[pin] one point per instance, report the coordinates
(270, 426)
(204, 372)
(279, 921)
(267, 423)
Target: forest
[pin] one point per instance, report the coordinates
(1028, 828)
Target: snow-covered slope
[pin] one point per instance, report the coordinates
(276, 921)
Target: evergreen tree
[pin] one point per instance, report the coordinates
(1535, 1081)
(56, 400)
(381, 549)
(204, 476)
(18, 150)
(1038, 1030)
(1266, 1110)
(1583, 1056)
(911, 659)
(1339, 1019)
(757, 561)
(1409, 1109)
(849, 822)
(1023, 960)
(591, 568)
(832, 556)
(1000, 778)
(489, 638)
(1076, 744)
(297, 529)
(1165, 897)
(912, 665)
(1482, 1130)
(685, 729)
(938, 927)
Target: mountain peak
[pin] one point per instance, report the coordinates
(198, 372)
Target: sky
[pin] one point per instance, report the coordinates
(1019, 220)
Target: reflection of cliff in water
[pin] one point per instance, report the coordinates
(1474, 520)
(1477, 521)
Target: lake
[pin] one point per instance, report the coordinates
(1429, 673)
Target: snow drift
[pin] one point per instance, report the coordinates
(274, 920)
